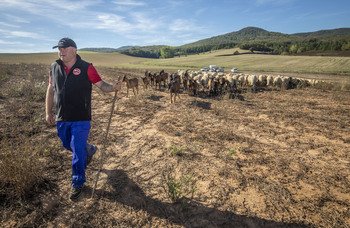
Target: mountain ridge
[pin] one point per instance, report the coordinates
(245, 35)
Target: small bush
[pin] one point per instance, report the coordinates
(20, 167)
(177, 189)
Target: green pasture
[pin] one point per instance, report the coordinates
(245, 61)
(259, 62)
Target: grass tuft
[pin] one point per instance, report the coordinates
(20, 167)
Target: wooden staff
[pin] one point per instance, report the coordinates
(104, 143)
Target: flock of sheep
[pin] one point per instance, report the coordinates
(245, 80)
(215, 83)
(218, 83)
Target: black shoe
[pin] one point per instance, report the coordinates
(75, 192)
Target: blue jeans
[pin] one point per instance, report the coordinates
(74, 136)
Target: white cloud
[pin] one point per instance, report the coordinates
(9, 25)
(25, 34)
(20, 34)
(4, 42)
(16, 19)
(112, 22)
(46, 7)
(129, 3)
(146, 22)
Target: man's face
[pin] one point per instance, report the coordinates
(67, 54)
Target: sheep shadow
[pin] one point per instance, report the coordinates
(127, 192)
(201, 104)
(155, 98)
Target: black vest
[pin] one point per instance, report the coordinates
(72, 92)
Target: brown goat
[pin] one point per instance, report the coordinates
(174, 88)
(131, 84)
(146, 80)
(164, 77)
(157, 80)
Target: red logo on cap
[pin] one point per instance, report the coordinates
(76, 71)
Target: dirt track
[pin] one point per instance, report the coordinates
(269, 159)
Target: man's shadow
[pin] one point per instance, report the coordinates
(129, 193)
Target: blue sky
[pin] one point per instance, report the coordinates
(28, 26)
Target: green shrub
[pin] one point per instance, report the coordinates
(178, 189)
(175, 150)
(20, 167)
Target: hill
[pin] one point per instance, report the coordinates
(326, 33)
(243, 35)
(324, 42)
(329, 42)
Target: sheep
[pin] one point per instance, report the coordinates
(181, 73)
(193, 74)
(252, 80)
(221, 83)
(262, 80)
(192, 86)
(241, 81)
(311, 82)
(269, 80)
(232, 84)
(202, 80)
(277, 81)
(174, 88)
(285, 82)
(281, 82)
(131, 84)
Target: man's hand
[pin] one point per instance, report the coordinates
(117, 86)
(50, 119)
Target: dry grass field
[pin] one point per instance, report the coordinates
(267, 159)
(98, 59)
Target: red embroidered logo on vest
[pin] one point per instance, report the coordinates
(76, 71)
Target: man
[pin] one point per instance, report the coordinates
(69, 90)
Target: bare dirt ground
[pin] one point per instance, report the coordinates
(269, 159)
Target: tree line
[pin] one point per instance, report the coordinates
(268, 47)
(298, 47)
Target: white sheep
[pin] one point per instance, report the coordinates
(241, 80)
(232, 83)
(277, 81)
(269, 80)
(252, 80)
(262, 80)
(204, 81)
(285, 82)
